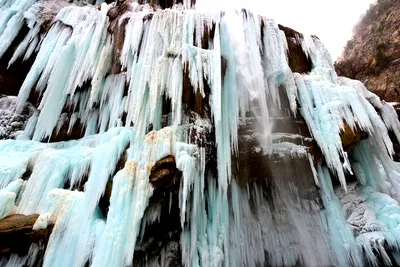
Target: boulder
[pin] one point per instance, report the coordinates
(17, 235)
(163, 172)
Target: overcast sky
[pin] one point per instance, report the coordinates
(331, 20)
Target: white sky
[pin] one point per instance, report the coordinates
(331, 20)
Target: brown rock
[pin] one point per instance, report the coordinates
(16, 234)
(104, 202)
(298, 60)
(350, 137)
(63, 134)
(163, 172)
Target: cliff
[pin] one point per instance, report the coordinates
(373, 54)
(145, 136)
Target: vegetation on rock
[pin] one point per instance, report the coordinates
(373, 54)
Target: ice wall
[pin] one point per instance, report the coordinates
(128, 75)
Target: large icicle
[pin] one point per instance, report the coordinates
(129, 199)
(346, 251)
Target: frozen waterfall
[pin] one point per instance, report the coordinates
(262, 177)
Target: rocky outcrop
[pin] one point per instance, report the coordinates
(161, 240)
(373, 54)
(350, 137)
(17, 235)
(298, 60)
(163, 172)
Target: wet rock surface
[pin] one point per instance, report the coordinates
(161, 240)
(163, 172)
(350, 137)
(16, 234)
(288, 160)
(298, 60)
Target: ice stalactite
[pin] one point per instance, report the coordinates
(12, 20)
(8, 197)
(346, 250)
(146, 88)
(326, 102)
(129, 199)
(16, 260)
(69, 162)
(256, 229)
(240, 230)
(326, 105)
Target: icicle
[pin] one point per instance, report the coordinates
(80, 241)
(14, 160)
(51, 45)
(101, 70)
(27, 46)
(325, 106)
(28, 260)
(129, 199)
(10, 25)
(55, 96)
(347, 252)
(276, 65)
(8, 196)
(314, 171)
(374, 219)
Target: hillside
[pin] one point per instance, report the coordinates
(373, 54)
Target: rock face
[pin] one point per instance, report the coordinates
(373, 54)
(350, 137)
(298, 60)
(16, 234)
(12, 77)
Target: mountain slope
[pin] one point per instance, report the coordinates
(373, 54)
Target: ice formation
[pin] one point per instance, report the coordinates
(12, 123)
(126, 74)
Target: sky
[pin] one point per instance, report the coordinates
(331, 20)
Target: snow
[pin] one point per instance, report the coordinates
(374, 218)
(10, 121)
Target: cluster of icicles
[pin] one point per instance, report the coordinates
(222, 223)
